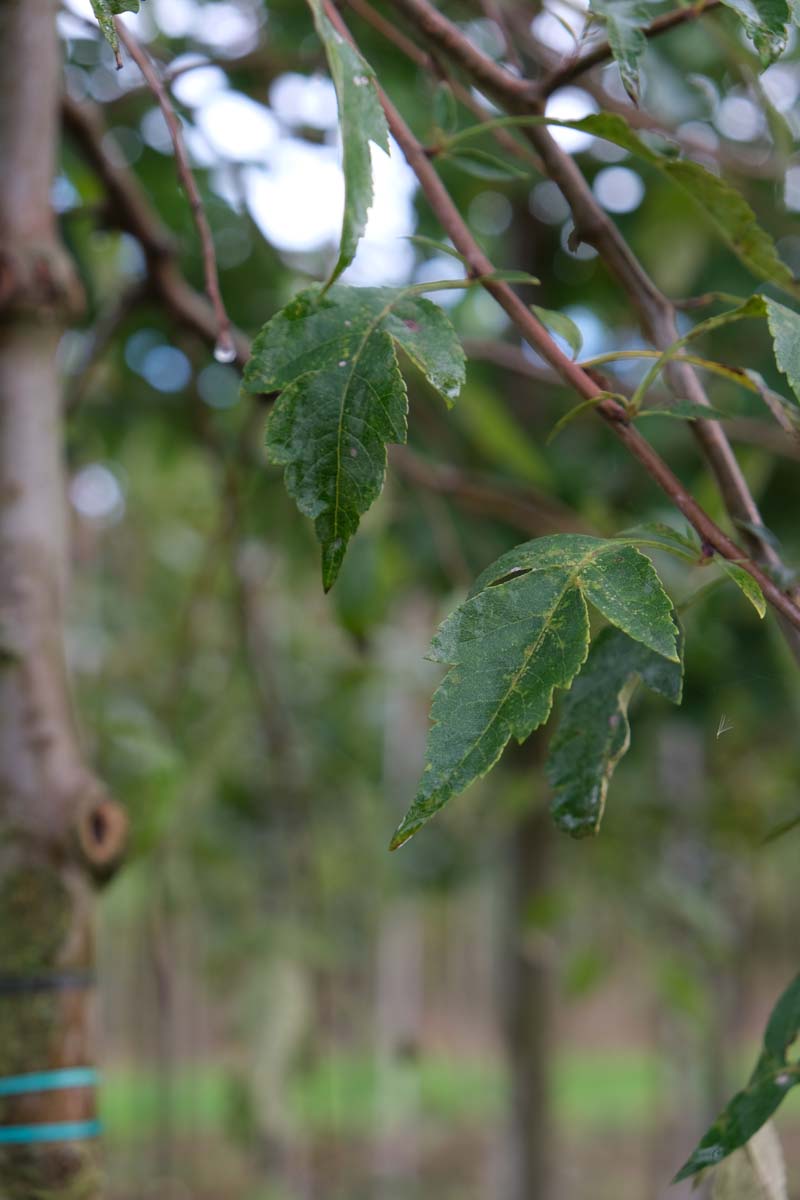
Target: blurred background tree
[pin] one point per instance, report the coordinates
(288, 1012)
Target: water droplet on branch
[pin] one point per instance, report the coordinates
(225, 351)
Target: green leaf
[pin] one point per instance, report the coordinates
(570, 415)
(766, 24)
(686, 410)
(105, 11)
(754, 306)
(332, 356)
(445, 110)
(483, 165)
(660, 536)
(594, 732)
(725, 207)
(773, 1076)
(361, 121)
(624, 20)
(747, 585)
(784, 326)
(505, 275)
(561, 324)
(419, 239)
(524, 631)
(760, 531)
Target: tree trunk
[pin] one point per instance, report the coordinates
(58, 829)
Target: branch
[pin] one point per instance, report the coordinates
(427, 63)
(594, 226)
(538, 337)
(602, 52)
(225, 350)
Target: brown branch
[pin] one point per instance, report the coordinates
(129, 208)
(225, 350)
(602, 52)
(538, 337)
(594, 226)
(429, 64)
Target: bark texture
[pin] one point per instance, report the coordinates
(58, 828)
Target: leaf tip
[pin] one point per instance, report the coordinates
(401, 835)
(332, 557)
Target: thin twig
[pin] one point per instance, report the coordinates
(129, 208)
(225, 350)
(538, 337)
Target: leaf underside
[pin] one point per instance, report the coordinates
(332, 356)
(361, 121)
(593, 733)
(774, 1075)
(522, 632)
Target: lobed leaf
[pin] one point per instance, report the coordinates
(773, 1076)
(332, 356)
(361, 121)
(523, 632)
(594, 732)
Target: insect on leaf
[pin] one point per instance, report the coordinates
(522, 632)
(361, 121)
(332, 356)
(773, 1076)
(594, 733)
